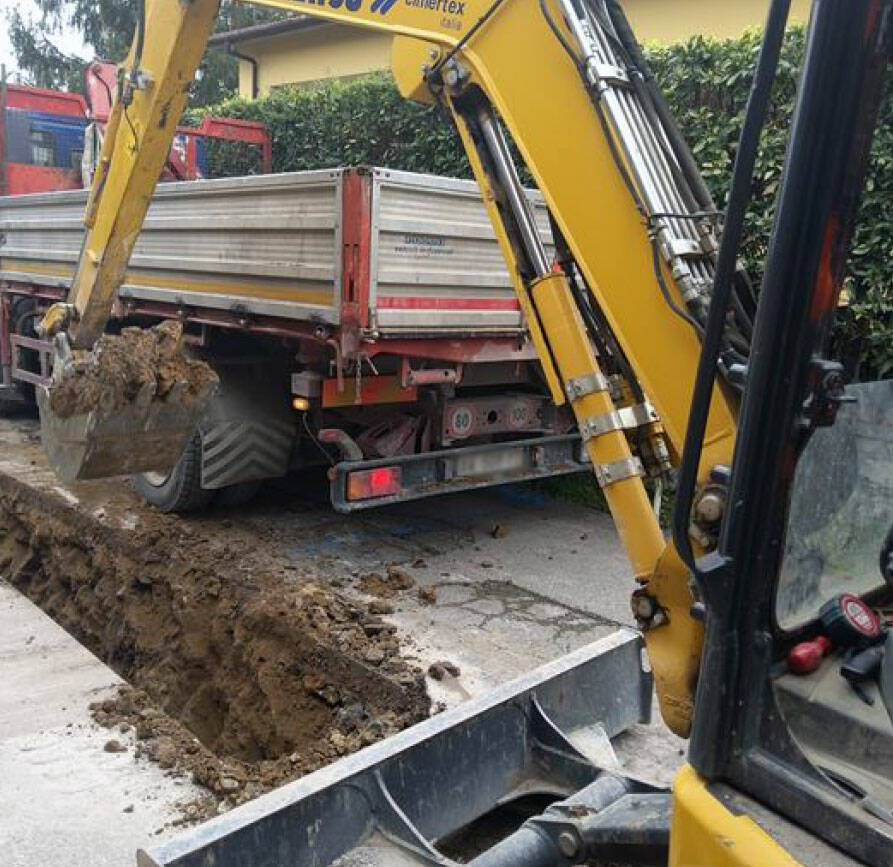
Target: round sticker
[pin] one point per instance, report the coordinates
(461, 421)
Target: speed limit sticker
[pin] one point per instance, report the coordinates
(461, 421)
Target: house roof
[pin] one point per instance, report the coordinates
(260, 31)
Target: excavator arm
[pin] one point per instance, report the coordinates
(153, 88)
(617, 318)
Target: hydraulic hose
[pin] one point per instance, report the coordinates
(658, 104)
(680, 146)
(726, 264)
(598, 329)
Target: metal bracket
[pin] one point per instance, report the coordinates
(607, 74)
(618, 471)
(44, 348)
(627, 418)
(429, 376)
(599, 425)
(684, 248)
(827, 395)
(56, 319)
(581, 386)
(640, 415)
(140, 79)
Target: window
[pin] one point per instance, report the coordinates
(43, 148)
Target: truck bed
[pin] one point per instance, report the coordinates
(398, 253)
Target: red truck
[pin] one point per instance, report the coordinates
(49, 138)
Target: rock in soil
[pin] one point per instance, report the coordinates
(112, 375)
(439, 670)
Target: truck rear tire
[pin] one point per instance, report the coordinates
(181, 490)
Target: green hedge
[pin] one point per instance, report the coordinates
(365, 121)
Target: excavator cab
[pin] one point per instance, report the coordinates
(834, 601)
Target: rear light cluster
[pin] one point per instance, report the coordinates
(369, 484)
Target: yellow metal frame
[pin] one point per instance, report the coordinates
(704, 833)
(137, 141)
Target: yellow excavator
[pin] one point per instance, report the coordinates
(648, 326)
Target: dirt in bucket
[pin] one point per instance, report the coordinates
(121, 365)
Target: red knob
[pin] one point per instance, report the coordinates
(806, 656)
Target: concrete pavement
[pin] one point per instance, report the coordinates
(63, 798)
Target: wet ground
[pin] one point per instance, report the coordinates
(262, 642)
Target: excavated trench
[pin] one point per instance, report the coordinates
(237, 676)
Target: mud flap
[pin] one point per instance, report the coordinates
(147, 435)
(395, 802)
(249, 428)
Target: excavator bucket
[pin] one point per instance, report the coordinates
(456, 788)
(129, 406)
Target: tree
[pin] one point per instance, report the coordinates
(107, 27)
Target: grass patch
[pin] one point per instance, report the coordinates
(579, 488)
(583, 489)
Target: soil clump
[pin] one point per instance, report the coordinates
(122, 365)
(386, 586)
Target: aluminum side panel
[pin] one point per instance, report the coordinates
(269, 245)
(438, 266)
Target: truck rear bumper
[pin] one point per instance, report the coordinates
(413, 477)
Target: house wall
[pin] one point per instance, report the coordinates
(315, 53)
(671, 21)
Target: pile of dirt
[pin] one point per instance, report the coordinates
(240, 678)
(121, 365)
(386, 586)
(230, 781)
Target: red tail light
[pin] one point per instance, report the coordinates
(368, 484)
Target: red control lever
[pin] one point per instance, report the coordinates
(806, 656)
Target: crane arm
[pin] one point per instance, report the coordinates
(634, 230)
